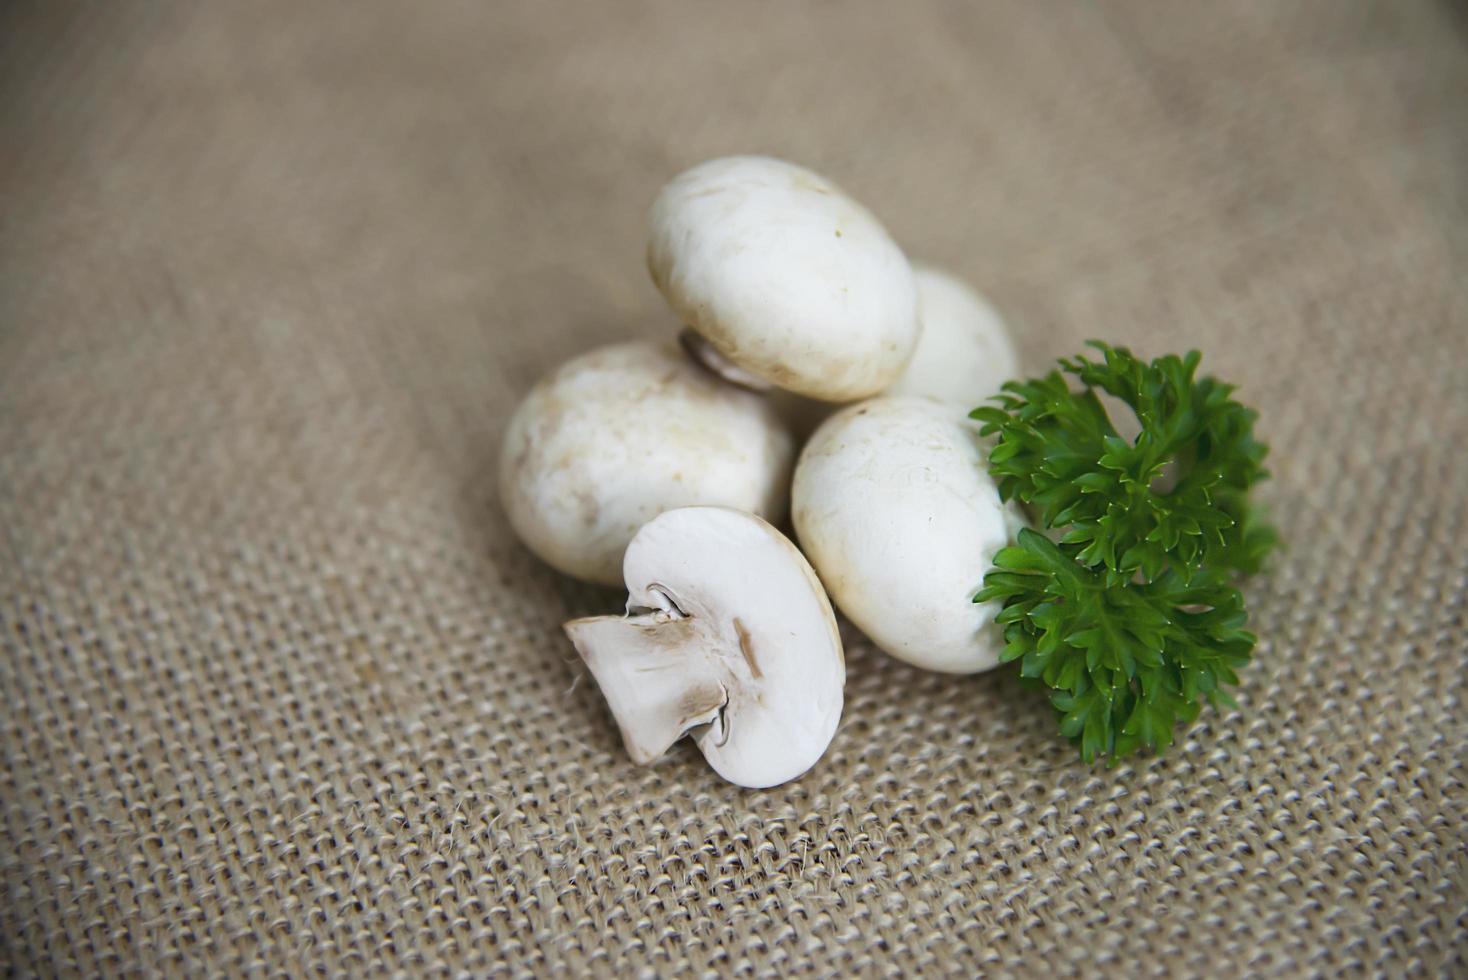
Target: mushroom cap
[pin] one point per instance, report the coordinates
(893, 506)
(964, 353)
(769, 626)
(615, 437)
(786, 276)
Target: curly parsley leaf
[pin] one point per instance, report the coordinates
(1128, 616)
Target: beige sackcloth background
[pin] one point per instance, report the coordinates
(283, 694)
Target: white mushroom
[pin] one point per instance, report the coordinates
(784, 276)
(964, 353)
(893, 506)
(728, 636)
(617, 436)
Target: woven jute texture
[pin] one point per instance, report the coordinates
(282, 693)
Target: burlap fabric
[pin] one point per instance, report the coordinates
(283, 694)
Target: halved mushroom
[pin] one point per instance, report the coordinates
(617, 436)
(729, 636)
(785, 277)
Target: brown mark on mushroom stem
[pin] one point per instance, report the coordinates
(699, 702)
(746, 647)
(666, 636)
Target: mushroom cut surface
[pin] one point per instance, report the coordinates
(728, 637)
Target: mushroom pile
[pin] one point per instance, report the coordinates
(671, 466)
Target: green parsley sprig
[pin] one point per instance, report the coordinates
(1129, 615)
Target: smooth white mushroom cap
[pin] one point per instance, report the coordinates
(615, 437)
(728, 632)
(893, 506)
(964, 353)
(785, 276)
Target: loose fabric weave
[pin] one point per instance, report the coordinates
(282, 694)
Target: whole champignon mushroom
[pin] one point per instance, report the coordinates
(893, 506)
(785, 277)
(617, 436)
(727, 632)
(964, 353)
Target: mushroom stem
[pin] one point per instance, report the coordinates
(708, 355)
(656, 678)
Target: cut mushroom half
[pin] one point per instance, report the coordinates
(728, 637)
